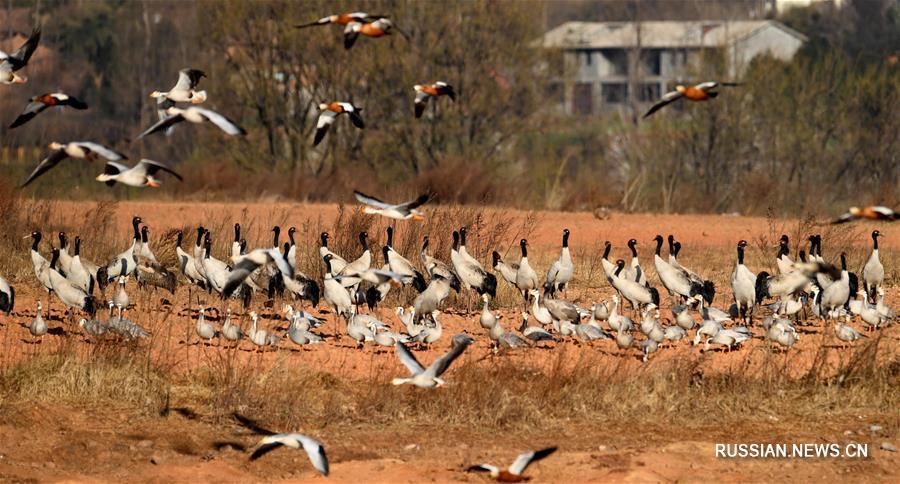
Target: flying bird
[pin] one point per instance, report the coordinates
(183, 92)
(514, 473)
(84, 150)
(430, 377)
(194, 115)
(38, 104)
(140, 175)
(330, 112)
(700, 92)
(378, 28)
(876, 212)
(426, 92)
(314, 449)
(400, 211)
(342, 19)
(10, 63)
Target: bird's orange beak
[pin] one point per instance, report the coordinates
(417, 217)
(153, 183)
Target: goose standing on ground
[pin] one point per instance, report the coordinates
(526, 277)
(783, 259)
(231, 332)
(313, 448)
(84, 150)
(37, 105)
(329, 112)
(700, 92)
(378, 28)
(261, 337)
(837, 294)
(873, 271)
(514, 473)
(38, 327)
(7, 296)
(876, 212)
(487, 319)
(437, 267)
(401, 265)
(425, 92)
(743, 285)
(205, 330)
(194, 115)
(430, 377)
(400, 211)
(845, 332)
(560, 272)
(10, 63)
(469, 270)
(140, 175)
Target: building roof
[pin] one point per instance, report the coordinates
(665, 34)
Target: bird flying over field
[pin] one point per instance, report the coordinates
(141, 175)
(10, 63)
(194, 115)
(84, 150)
(343, 19)
(313, 448)
(183, 92)
(330, 112)
(876, 212)
(37, 105)
(430, 377)
(514, 473)
(400, 211)
(426, 92)
(700, 92)
(378, 28)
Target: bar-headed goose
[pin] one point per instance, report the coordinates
(400, 211)
(7, 296)
(329, 112)
(873, 271)
(194, 115)
(425, 92)
(84, 150)
(313, 448)
(38, 327)
(142, 174)
(37, 105)
(514, 473)
(11, 63)
(560, 272)
(183, 91)
(743, 285)
(430, 377)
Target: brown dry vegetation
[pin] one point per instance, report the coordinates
(614, 417)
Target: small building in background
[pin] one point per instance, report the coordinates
(612, 65)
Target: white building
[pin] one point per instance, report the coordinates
(614, 64)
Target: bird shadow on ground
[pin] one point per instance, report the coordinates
(251, 425)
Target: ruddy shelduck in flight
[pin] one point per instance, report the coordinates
(876, 212)
(38, 104)
(514, 473)
(330, 112)
(701, 92)
(378, 28)
(343, 19)
(426, 92)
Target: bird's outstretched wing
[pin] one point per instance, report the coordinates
(458, 345)
(161, 125)
(847, 217)
(524, 460)
(188, 79)
(370, 200)
(152, 167)
(22, 55)
(222, 122)
(407, 358)
(668, 98)
(45, 165)
(326, 119)
(32, 110)
(418, 202)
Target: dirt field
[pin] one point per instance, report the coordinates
(81, 440)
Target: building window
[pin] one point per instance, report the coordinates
(648, 92)
(651, 62)
(615, 92)
(617, 60)
(583, 98)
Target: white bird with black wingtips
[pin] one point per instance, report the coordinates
(430, 377)
(142, 174)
